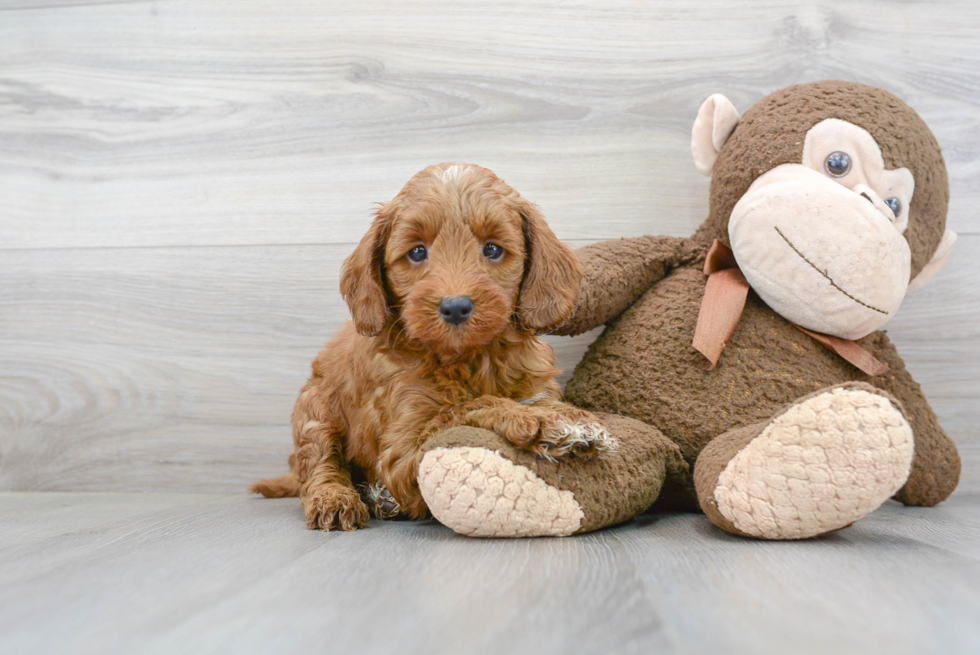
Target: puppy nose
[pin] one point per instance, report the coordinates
(455, 309)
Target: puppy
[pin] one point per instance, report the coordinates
(447, 290)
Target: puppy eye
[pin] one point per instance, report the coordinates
(418, 254)
(493, 252)
(894, 204)
(838, 164)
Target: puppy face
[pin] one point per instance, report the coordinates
(455, 259)
(458, 255)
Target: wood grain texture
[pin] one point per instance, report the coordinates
(257, 122)
(175, 573)
(177, 368)
(162, 368)
(179, 182)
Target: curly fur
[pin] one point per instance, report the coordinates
(398, 374)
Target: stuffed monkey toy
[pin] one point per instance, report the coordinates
(744, 370)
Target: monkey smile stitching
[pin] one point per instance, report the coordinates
(829, 279)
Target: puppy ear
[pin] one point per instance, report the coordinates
(552, 275)
(361, 279)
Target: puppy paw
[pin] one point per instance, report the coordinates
(332, 507)
(522, 428)
(580, 436)
(552, 434)
(379, 500)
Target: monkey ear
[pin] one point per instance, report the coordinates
(938, 259)
(716, 120)
(552, 275)
(360, 279)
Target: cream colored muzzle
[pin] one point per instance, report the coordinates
(828, 258)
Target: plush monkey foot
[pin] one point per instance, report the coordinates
(480, 485)
(820, 465)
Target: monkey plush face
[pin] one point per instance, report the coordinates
(821, 241)
(825, 230)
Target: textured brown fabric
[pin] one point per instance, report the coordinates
(772, 131)
(849, 350)
(610, 489)
(615, 273)
(936, 466)
(643, 366)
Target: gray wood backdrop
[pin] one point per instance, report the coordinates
(179, 182)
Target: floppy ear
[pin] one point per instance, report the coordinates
(552, 275)
(938, 259)
(716, 120)
(361, 279)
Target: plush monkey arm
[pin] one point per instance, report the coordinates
(615, 273)
(936, 465)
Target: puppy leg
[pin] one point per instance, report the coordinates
(583, 432)
(550, 429)
(399, 465)
(329, 498)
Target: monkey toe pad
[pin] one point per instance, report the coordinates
(823, 464)
(479, 493)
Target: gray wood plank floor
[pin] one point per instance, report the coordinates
(185, 573)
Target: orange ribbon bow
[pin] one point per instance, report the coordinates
(722, 305)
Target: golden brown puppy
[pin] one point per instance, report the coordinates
(447, 290)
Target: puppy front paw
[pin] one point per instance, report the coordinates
(581, 436)
(554, 434)
(334, 506)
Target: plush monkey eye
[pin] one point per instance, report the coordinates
(838, 164)
(417, 254)
(493, 252)
(894, 204)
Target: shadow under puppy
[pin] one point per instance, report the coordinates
(455, 277)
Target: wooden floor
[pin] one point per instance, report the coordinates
(193, 573)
